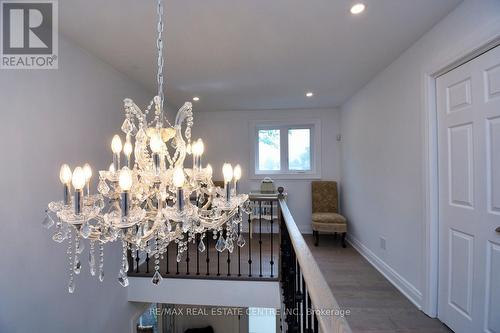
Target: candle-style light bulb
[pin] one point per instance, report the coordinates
(125, 179)
(116, 144)
(112, 168)
(237, 177)
(209, 170)
(127, 150)
(227, 172)
(155, 143)
(196, 148)
(87, 170)
(237, 172)
(125, 182)
(178, 177)
(65, 174)
(65, 177)
(78, 181)
(178, 181)
(116, 147)
(201, 147)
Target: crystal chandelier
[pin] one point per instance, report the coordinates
(152, 199)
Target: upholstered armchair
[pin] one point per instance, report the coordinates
(325, 208)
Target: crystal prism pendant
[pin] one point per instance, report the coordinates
(157, 278)
(221, 244)
(127, 126)
(229, 245)
(78, 267)
(103, 188)
(85, 230)
(101, 275)
(58, 237)
(141, 135)
(123, 278)
(80, 248)
(48, 222)
(241, 241)
(201, 246)
(71, 286)
(92, 264)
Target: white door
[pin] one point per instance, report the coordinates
(468, 100)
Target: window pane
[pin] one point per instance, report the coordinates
(299, 149)
(269, 150)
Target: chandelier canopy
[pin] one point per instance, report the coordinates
(148, 197)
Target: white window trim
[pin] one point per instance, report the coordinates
(313, 124)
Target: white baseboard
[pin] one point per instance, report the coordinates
(405, 287)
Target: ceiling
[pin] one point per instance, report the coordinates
(252, 54)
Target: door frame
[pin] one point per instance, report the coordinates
(474, 45)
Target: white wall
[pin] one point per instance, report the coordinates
(234, 320)
(227, 138)
(383, 145)
(265, 294)
(50, 117)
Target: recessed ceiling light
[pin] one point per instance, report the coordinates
(358, 8)
(196, 99)
(309, 94)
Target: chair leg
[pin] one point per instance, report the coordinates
(343, 240)
(316, 238)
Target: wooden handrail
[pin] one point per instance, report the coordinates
(319, 291)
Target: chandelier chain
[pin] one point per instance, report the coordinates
(161, 61)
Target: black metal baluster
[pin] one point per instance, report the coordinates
(299, 297)
(130, 262)
(304, 305)
(177, 261)
(228, 263)
(293, 289)
(208, 255)
(167, 259)
(147, 258)
(295, 293)
(249, 245)
(187, 257)
(218, 257)
(309, 314)
(286, 276)
(137, 260)
(228, 254)
(260, 238)
(272, 236)
(198, 239)
(239, 250)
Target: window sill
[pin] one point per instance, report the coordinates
(290, 176)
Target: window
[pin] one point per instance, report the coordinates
(269, 150)
(299, 149)
(286, 150)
